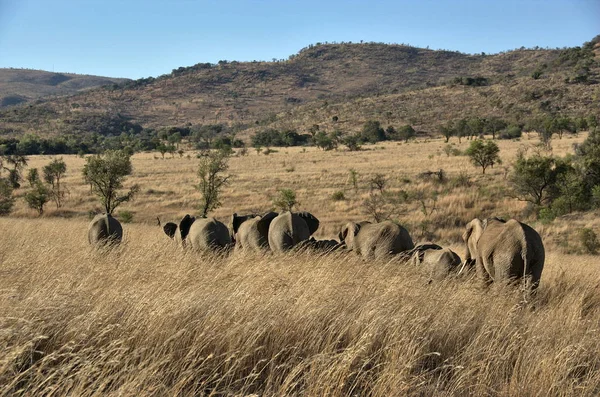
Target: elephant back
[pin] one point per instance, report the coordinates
(286, 230)
(208, 234)
(382, 239)
(105, 229)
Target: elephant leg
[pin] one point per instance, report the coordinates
(482, 273)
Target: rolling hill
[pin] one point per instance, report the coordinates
(396, 84)
(24, 85)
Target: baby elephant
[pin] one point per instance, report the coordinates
(104, 229)
(324, 246)
(436, 261)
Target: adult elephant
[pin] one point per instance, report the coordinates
(104, 229)
(251, 231)
(436, 261)
(199, 233)
(376, 240)
(290, 228)
(504, 250)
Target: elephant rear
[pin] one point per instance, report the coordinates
(105, 229)
(208, 234)
(287, 230)
(383, 239)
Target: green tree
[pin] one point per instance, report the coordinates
(494, 124)
(406, 132)
(105, 174)
(447, 130)
(372, 132)
(483, 154)
(37, 197)
(53, 174)
(285, 199)
(33, 176)
(352, 142)
(323, 141)
(6, 199)
(534, 179)
(212, 180)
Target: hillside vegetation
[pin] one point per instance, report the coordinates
(25, 85)
(348, 83)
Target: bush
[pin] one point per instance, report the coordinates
(511, 132)
(338, 196)
(125, 216)
(589, 241)
(285, 199)
(546, 215)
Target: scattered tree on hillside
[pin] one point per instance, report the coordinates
(105, 174)
(53, 174)
(483, 153)
(212, 180)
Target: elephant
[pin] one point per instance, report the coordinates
(321, 245)
(290, 228)
(251, 231)
(179, 233)
(438, 262)
(376, 240)
(504, 251)
(104, 229)
(199, 233)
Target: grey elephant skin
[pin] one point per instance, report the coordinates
(323, 246)
(376, 240)
(251, 232)
(199, 233)
(437, 262)
(290, 228)
(504, 250)
(104, 229)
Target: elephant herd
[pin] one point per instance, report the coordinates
(499, 250)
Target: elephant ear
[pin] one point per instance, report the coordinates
(311, 221)
(236, 221)
(348, 228)
(185, 224)
(170, 228)
(265, 221)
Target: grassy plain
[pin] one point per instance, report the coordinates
(148, 319)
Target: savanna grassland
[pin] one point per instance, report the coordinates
(147, 318)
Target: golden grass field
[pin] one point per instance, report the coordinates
(146, 318)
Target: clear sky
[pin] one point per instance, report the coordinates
(141, 38)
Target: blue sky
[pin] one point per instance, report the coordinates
(140, 38)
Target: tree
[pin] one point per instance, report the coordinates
(352, 142)
(372, 132)
(447, 130)
(106, 175)
(37, 197)
(493, 125)
(6, 199)
(285, 199)
(212, 180)
(53, 174)
(323, 141)
(406, 132)
(534, 179)
(18, 163)
(483, 154)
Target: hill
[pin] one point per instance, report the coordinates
(355, 82)
(24, 85)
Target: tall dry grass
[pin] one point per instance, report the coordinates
(148, 319)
